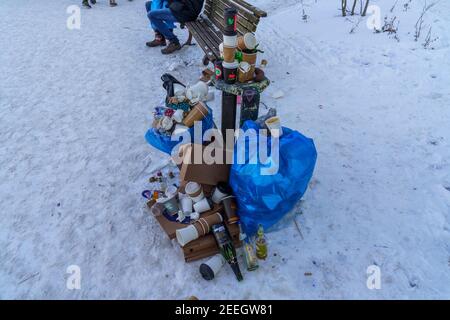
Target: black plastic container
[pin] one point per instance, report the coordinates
(230, 19)
(218, 68)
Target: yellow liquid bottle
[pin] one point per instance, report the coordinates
(261, 244)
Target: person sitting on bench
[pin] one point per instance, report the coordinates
(181, 11)
(159, 40)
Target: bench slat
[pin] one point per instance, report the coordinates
(258, 12)
(209, 46)
(208, 35)
(242, 4)
(242, 13)
(203, 45)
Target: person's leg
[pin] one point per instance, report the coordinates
(160, 19)
(159, 39)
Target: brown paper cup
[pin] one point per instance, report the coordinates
(246, 42)
(204, 225)
(249, 57)
(229, 53)
(197, 113)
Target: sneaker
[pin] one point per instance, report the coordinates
(112, 3)
(157, 42)
(172, 47)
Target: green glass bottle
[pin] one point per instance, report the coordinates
(227, 249)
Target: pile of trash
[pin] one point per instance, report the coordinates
(195, 205)
(214, 208)
(183, 106)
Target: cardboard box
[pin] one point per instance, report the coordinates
(202, 247)
(206, 246)
(170, 227)
(197, 170)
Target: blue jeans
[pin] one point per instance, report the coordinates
(153, 5)
(163, 20)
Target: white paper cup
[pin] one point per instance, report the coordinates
(202, 206)
(178, 116)
(212, 267)
(194, 191)
(186, 235)
(250, 41)
(230, 41)
(186, 205)
(218, 196)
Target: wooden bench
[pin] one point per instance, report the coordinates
(208, 29)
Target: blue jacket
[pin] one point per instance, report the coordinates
(159, 4)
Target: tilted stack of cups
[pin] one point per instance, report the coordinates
(196, 94)
(230, 70)
(247, 45)
(230, 64)
(195, 199)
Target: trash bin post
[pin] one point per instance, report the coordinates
(229, 110)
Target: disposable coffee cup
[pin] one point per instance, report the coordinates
(197, 113)
(229, 206)
(178, 116)
(230, 72)
(221, 191)
(247, 42)
(229, 53)
(194, 191)
(202, 206)
(186, 205)
(212, 267)
(249, 57)
(274, 125)
(245, 72)
(186, 235)
(230, 41)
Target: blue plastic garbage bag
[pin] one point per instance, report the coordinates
(267, 190)
(165, 144)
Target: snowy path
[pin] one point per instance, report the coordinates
(74, 106)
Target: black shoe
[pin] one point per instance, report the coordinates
(112, 3)
(93, 1)
(86, 4)
(172, 47)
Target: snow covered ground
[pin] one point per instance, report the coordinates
(75, 105)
